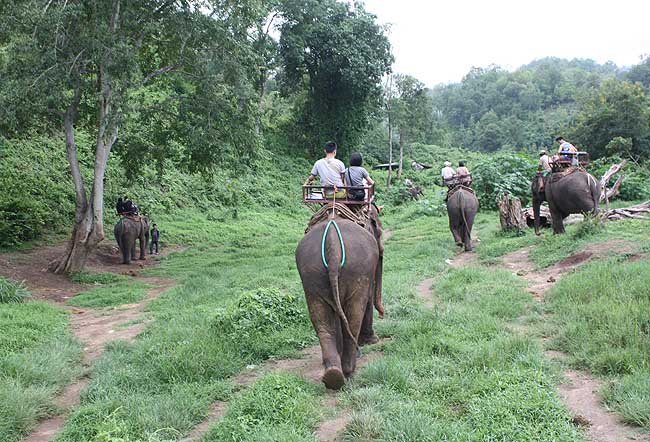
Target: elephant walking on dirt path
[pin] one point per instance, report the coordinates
(462, 206)
(573, 191)
(127, 231)
(340, 266)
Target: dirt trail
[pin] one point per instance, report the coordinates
(579, 391)
(425, 293)
(94, 328)
(308, 366)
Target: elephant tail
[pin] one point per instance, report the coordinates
(461, 205)
(594, 188)
(333, 274)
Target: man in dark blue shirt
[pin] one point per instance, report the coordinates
(155, 235)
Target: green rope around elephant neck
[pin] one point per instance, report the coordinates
(322, 246)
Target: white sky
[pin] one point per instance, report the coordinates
(438, 41)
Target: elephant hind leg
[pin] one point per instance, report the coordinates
(333, 378)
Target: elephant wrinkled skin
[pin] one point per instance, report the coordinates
(127, 231)
(462, 206)
(577, 192)
(340, 298)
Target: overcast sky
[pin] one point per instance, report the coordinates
(438, 41)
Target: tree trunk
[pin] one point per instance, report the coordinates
(390, 151)
(88, 229)
(402, 137)
(510, 213)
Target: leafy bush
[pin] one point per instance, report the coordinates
(588, 227)
(505, 172)
(431, 207)
(12, 291)
(21, 220)
(266, 321)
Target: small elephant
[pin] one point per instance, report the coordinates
(566, 193)
(129, 229)
(340, 296)
(462, 206)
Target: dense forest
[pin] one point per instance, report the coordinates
(207, 104)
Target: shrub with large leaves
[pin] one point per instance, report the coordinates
(508, 172)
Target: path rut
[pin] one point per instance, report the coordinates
(580, 390)
(94, 329)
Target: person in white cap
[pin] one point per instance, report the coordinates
(447, 172)
(544, 164)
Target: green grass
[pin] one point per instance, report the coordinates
(85, 277)
(37, 358)
(548, 248)
(600, 316)
(12, 291)
(455, 373)
(163, 383)
(277, 407)
(128, 292)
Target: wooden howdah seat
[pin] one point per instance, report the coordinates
(562, 163)
(465, 180)
(317, 195)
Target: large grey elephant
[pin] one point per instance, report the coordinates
(341, 277)
(127, 231)
(462, 206)
(575, 191)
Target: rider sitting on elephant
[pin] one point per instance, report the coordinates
(544, 164)
(447, 173)
(567, 150)
(330, 172)
(463, 175)
(355, 177)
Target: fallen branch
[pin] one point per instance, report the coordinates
(605, 194)
(633, 212)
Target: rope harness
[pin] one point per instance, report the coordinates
(322, 245)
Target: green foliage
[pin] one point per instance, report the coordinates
(591, 225)
(493, 108)
(337, 55)
(611, 117)
(12, 291)
(262, 317)
(278, 407)
(503, 173)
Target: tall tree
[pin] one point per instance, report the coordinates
(412, 112)
(81, 60)
(616, 109)
(338, 55)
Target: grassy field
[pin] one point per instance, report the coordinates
(457, 372)
(37, 358)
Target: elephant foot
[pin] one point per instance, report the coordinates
(368, 340)
(333, 378)
(468, 249)
(459, 244)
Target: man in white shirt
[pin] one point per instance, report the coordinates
(330, 171)
(447, 172)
